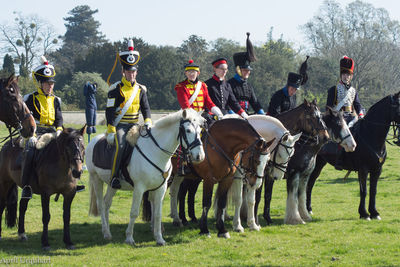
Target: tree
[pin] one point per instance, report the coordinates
(29, 37)
(23, 70)
(8, 64)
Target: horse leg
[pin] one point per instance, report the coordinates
(302, 198)
(236, 188)
(319, 165)
(207, 196)
(269, 185)
(251, 201)
(258, 199)
(373, 183)
(2, 207)
(110, 193)
(191, 199)
(292, 215)
(157, 200)
(23, 205)
(135, 208)
(183, 189)
(45, 220)
(362, 179)
(67, 218)
(222, 194)
(173, 191)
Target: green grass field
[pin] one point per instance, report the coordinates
(335, 237)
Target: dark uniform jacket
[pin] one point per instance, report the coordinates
(222, 96)
(45, 109)
(281, 102)
(244, 93)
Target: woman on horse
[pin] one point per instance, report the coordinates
(193, 93)
(244, 91)
(46, 109)
(125, 99)
(221, 91)
(345, 97)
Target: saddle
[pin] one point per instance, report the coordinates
(103, 156)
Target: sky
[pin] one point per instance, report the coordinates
(170, 22)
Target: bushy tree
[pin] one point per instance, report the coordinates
(8, 64)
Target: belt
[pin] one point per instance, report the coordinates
(347, 108)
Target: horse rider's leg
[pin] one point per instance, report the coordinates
(23, 205)
(292, 215)
(107, 205)
(269, 185)
(319, 165)
(222, 194)
(120, 141)
(251, 201)
(302, 198)
(173, 191)
(27, 172)
(158, 197)
(67, 218)
(208, 185)
(373, 183)
(183, 189)
(191, 198)
(362, 179)
(236, 188)
(135, 208)
(45, 220)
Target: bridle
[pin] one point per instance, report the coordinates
(253, 161)
(273, 163)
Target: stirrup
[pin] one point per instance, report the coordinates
(115, 183)
(26, 192)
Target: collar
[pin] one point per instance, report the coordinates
(40, 91)
(194, 82)
(127, 83)
(347, 86)
(239, 78)
(215, 77)
(285, 91)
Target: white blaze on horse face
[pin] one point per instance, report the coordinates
(348, 143)
(263, 162)
(283, 154)
(193, 132)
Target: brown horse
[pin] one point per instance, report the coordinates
(58, 165)
(13, 111)
(223, 143)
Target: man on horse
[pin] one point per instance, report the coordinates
(345, 97)
(193, 93)
(125, 99)
(221, 91)
(243, 90)
(46, 109)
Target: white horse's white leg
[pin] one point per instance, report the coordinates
(251, 201)
(107, 204)
(97, 184)
(236, 188)
(157, 200)
(302, 200)
(136, 200)
(173, 191)
(292, 215)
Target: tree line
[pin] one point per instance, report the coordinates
(358, 30)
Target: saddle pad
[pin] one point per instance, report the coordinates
(102, 154)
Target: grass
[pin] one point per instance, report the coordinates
(335, 237)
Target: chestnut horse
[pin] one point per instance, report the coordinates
(58, 165)
(13, 111)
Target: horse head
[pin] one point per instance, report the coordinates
(395, 108)
(254, 160)
(312, 121)
(13, 111)
(190, 135)
(70, 143)
(339, 132)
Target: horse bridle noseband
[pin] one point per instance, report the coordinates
(252, 171)
(281, 166)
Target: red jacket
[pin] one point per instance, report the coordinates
(185, 90)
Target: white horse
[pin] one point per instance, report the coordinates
(281, 151)
(147, 174)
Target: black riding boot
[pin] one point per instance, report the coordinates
(115, 180)
(27, 171)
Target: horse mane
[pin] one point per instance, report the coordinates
(191, 114)
(374, 106)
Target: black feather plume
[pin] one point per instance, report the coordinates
(250, 50)
(303, 71)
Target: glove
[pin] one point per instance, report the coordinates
(244, 115)
(217, 112)
(58, 132)
(110, 138)
(32, 141)
(147, 124)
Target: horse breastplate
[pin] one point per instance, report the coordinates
(342, 91)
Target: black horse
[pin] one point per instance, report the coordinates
(302, 164)
(370, 134)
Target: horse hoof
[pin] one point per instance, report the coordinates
(107, 236)
(365, 218)
(177, 224)
(23, 237)
(194, 220)
(239, 230)
(206, 234)
(70, 247)
(130, 241)
(185, 223)
(376, 218)
(225, 235)
(255, 228)
(310, 212)
(46, 248)
(161, 243)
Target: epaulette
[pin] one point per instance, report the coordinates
(143, 87)
(113, 86)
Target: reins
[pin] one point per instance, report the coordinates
(280, 166)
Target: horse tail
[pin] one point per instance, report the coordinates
(12, 204)
(146, 207)
(93, 209)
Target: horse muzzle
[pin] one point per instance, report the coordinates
(77, 174)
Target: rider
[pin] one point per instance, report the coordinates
(220, 91)
(46, 109)
(345, 97)
(125, 99)
(193, 93)
(242, 90)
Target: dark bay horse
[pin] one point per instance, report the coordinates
(222, 143)
(13, 111)
(58, 165)
(368, 158)
(303, 161)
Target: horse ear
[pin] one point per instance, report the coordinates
(306, 102)
(83, 130)
(10, 79)
(184, 114)
(314, 101)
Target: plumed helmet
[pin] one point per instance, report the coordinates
(294, 80)
(129, 59)
(243, 59)
(192, 66)
(45, 72)
(346, 65)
